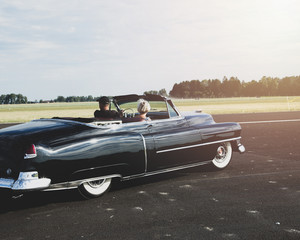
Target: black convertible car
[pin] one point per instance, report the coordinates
(83, 153)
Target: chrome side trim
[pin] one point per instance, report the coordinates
(145, 152)
(75, 184)
(167, 170)
(198, 145)
(167, 119)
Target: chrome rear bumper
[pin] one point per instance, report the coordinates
(241, 148)
(26, 181)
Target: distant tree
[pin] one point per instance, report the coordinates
(20, 99)
(269, 85)
(176, 91)
(226, 87)
(205, 89)
(231, 87)
(296, 86)
(90, 98)
(12, 99)
(154, 92)
(163, 92)
(2, 99)
(194, 88)
(289, 86)
(181, 90)
(215, 88)
(235, 86)
(60, 99)
(251, 89)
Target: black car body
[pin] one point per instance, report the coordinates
(51, 154)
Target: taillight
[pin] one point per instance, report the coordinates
(30, 152)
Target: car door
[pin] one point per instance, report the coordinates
(172, 138)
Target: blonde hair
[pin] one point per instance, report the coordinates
(143, 106)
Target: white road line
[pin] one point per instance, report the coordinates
(271, 121)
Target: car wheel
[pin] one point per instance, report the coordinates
(223, 156)
(93, 189)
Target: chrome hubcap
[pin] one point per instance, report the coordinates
(221, 153)
(96, 184)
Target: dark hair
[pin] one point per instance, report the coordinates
(103, 100)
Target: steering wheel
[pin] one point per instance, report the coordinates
(128, 112)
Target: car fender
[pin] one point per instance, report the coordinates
(122, 153)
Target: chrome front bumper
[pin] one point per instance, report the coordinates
(26, 181)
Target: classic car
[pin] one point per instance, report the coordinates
(85, 153)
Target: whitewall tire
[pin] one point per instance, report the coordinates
(223, 156)
(95, 188)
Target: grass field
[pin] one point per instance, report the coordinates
(28, 112)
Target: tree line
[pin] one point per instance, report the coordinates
(20, 99)
(212, 88)
(161, 92)
(89, 98)
(13, 99)
(233, 87)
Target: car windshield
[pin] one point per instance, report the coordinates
(159, 109)
(156, 106)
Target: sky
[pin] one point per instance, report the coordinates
(56, 48)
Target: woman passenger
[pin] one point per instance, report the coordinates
(143, 108)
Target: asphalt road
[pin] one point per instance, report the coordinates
(256, 197)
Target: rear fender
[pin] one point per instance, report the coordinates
(120, 153)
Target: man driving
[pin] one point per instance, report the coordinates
(105, 113)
